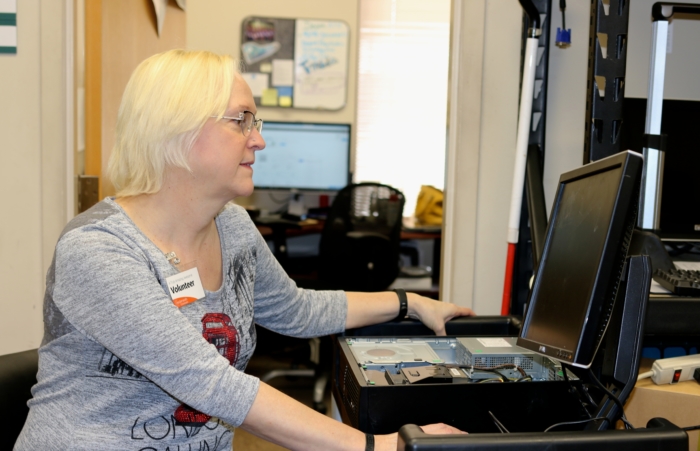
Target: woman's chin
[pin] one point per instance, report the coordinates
(244, 191)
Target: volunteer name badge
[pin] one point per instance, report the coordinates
(185, 287)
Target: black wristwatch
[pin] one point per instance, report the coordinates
(369, 443)
(403, 304)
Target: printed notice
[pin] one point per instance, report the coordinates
(320, 64)
(282, 72)
(185, 287)
(258, 82)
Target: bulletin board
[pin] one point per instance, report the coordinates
(296, 63)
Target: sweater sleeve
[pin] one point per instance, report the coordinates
(283, 307)
(107, 291)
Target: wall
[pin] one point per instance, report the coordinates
(485, 70)
(682, 63)
(216, 25)
(33, 166)
(128, 36)
(566, 102)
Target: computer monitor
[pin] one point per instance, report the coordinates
(583, 259)
(680, 193)
(303, 156)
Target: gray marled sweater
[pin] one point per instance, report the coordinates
(122, 368)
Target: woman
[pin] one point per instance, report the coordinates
(127, 361)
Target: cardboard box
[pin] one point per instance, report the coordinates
(679, 404)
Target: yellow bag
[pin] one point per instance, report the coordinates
(429, 206)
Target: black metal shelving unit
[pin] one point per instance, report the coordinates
(607, 62)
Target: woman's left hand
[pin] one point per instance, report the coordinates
(434, 314)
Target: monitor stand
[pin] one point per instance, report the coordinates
(624, 338)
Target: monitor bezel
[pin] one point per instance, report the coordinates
(610, 268)
(312, 189)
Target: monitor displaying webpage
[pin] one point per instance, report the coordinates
(303, 156)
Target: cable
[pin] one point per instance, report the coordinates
(579, 390)
(490, 380)
(498, 367)
(562, 6)
(688, 428)
(495, 369)
(499, 425)
(576, 422)
(563, 39)
(646, 375)
(613, 397)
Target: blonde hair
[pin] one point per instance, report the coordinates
(168, 99)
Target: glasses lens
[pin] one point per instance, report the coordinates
(247, 123)
(258, 125)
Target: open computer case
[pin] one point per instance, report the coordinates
(528, 408)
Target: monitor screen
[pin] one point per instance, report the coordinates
(587, 239)
(303, 156)
(680, 193)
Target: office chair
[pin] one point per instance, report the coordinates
(360, 243)
(17, 376)
(359, 251)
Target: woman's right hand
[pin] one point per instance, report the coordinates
(441, 428)
(389, 442)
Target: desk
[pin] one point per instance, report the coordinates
(279, 230)
(679, 403)
(266, 228)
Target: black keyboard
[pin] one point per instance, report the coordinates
(683, 282)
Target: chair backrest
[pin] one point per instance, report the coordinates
(17, 376)
(359, 248)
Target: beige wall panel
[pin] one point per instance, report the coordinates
(480, 163)
(129, 35)
(32, 168)
(20, 232)
(499, 111)
(462, 162)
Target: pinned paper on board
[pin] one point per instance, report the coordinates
(282, 72)
(306, 60)
(269, 97)
(258, 82)
(284, 94)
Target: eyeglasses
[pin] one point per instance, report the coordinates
(246, 120)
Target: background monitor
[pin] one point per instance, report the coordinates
(303, 156)
(583, 258)
(680, 193)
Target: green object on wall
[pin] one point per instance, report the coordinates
(8, 33)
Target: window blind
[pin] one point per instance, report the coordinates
(402, 94)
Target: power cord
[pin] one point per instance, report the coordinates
(613, 397)
(576, 422)
(581, 392)
(498, 424)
